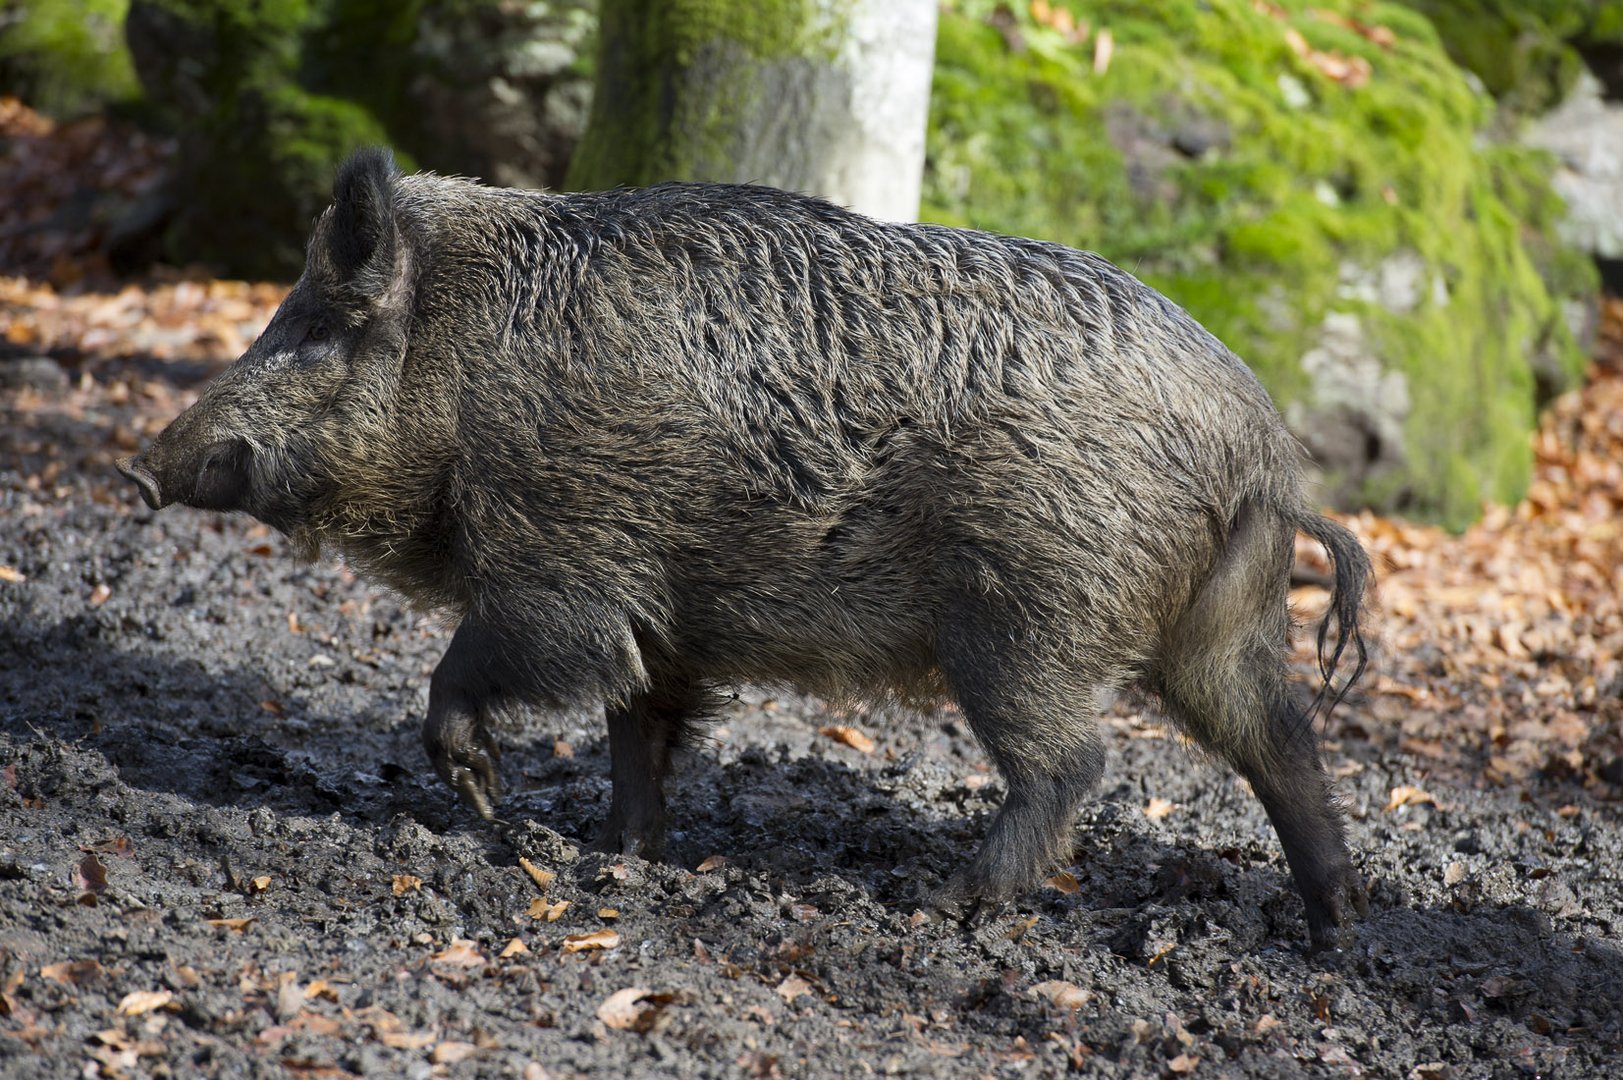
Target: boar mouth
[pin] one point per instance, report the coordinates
(214, 478)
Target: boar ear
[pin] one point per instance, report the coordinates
(361, 238)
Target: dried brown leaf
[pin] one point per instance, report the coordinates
(541, 877)
(138, 1002)
(72, 972)
(541, 908)
(461, 953)
(1066, 995)
(91, 874)
(450, 1052)
(850, 736)
(792, 987)
(597, 939)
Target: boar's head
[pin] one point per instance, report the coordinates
(298, 418)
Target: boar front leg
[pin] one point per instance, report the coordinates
(642, 734)
(461, 696)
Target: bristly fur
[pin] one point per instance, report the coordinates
(640, 444)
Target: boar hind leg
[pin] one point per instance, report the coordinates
(1280, 757)
(642, 734)
(1041, 729)
(461, 696)
(1223, 679)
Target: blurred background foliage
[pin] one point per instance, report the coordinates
(1333, 187)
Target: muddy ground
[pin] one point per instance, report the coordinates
(221, 854)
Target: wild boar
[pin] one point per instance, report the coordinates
(644, 444)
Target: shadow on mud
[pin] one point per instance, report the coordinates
(1471, 968)
(168, 724)
(890, 832)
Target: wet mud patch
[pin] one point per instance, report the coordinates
(221, 852)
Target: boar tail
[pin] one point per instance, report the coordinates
(1351, 575)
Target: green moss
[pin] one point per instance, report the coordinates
(1526, 52)
(643, 129)
(65, 57)
(1254, 228)
(273, 153)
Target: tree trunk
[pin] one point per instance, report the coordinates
(822, 96)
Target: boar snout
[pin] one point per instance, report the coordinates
(214, 477)
(134, 469)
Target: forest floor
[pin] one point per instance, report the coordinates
(222, 853)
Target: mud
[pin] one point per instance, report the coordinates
(222, 854)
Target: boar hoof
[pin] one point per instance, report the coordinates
(963, 901)
(617, 839)
(1329, 920)
(470, 771)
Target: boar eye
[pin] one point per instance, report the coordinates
(318, 333)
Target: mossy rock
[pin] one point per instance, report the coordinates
(1347, 236)
(66, 57)
(1527, 53)
(266, 174)
(269, 96)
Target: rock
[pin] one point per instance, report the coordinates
(1585, 133)
(1394, 278)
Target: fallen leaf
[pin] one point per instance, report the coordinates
(1064, 881)
(1183, 1064)
(608, 913)
(261, 883)
(12, 574)
(72, 972)
(850, 736)
(636, 1008)
(561, 749)
(1404, 795)
(118, 845)
(711, 863)
(792, 987)
(1067, 995)
(406, 1040)
(451, 1052)
(235, 925)
(100, 595)
(460, 953)
(514, 948)
(540, 908)
(138, 1002)
(405, 883)
(597, 939)
(91, 874)
(1018, 930)
(542, 878)
(1158, 808)
(321, 988)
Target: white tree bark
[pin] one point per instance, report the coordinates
(841, 114)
